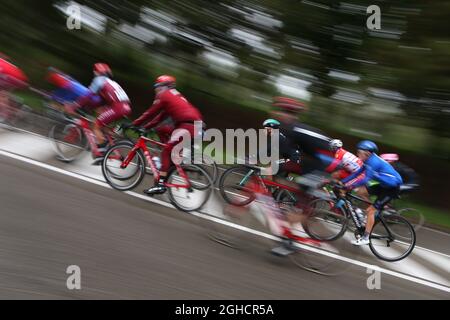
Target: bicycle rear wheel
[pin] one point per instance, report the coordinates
(69, 141)
(392, 239)
(233, 186)
(123, 179)
(193, 199)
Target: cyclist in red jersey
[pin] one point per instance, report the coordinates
(169, 103)
(345, 163)
(112, 96)
(11, 78)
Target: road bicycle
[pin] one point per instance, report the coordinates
(264, 221)
(392, 238)
(14, 111)
(72, 135)
(126, 163)
(234, 185)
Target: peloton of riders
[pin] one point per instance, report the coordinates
(306, 149)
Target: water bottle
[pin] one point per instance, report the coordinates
(157, 162)
(361, 216)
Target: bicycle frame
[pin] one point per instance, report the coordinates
(271, 215)
(141, 144)
(350, 212)
(85, 125)
(265, 183)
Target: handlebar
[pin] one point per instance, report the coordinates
(139, 130)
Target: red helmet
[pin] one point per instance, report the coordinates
(289, 105)
(165, 80)
(102, 69)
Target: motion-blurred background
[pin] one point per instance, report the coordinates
(232, 56)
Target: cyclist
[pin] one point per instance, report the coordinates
(345, 162)
(112, 96)
(11, 78)
(169, 103)
(377, 169)
(288, 152)
(312, 142)
(67, 89)
(409, 176)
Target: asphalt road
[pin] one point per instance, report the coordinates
(131, 249)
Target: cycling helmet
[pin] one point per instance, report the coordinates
(165, 81)
(367, 145)
(336, 144)
(288, 105)
(390, 157)
(103, 69)
(272, 123)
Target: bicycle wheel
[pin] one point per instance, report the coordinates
(392, 239)
(69, 141)
(193, 199)
(325, 221)
(210, 166)
(230, 227)
(325, 258)
(232, 186)
(286, 197)
(123, 179)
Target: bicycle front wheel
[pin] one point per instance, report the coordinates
(392, 239)
(233, 186)
(69, 141)
(123, 178)
(325, 221)
(194, 198)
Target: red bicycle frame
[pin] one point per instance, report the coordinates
(141, 144)
(260, 187)
(85, 125)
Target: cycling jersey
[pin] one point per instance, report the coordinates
(70, 90)
(376, 169)
(312, 143)
(169, 104)
(409, 176)
(112, 95)
(11, 77)
(345, 160)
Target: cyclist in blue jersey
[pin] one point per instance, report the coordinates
(68, 89)
(376, 169)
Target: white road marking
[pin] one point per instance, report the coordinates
(165, 204)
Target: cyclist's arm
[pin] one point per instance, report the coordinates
(357, 179)
(152, 112)
(334, 166)
(158, 119)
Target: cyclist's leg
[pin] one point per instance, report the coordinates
(166, 156)
(384, 196)
(107, 117)
(164, 132)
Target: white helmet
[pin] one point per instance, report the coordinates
(336, 144)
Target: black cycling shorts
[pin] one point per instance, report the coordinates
(384, 195)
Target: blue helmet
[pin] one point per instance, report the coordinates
(367, 146)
